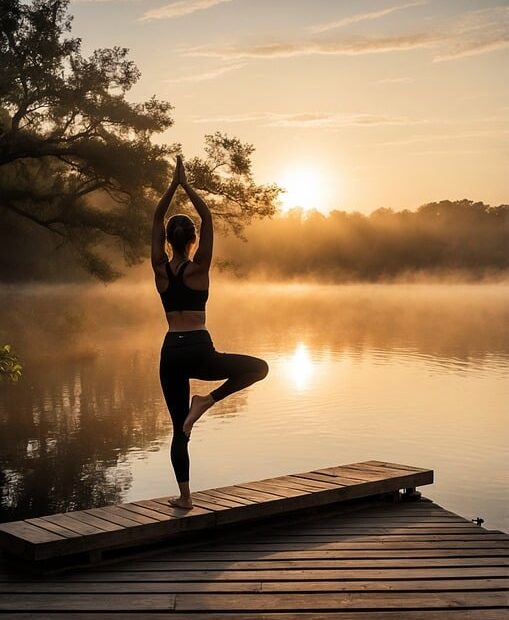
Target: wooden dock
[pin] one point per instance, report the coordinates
(89, 534)
(364, 556)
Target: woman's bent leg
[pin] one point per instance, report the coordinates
(239, 370)
(175, 387)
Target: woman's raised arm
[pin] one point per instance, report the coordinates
(159, 256)
(203, 255)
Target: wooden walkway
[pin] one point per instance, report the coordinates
(408, 561)
(366, 559)
(89, 534)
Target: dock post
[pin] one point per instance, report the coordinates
(411, 494)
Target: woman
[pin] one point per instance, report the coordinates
(188, 350)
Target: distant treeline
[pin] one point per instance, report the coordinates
(462, 238)
(438, 238)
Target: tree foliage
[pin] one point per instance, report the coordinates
(77, 158)
(10, 366)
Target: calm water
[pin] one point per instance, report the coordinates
(416, 374)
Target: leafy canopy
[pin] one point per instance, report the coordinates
(77, 158)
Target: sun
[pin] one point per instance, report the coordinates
(305, 186)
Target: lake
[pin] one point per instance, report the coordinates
(410, 373)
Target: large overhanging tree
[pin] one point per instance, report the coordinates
(77, 158)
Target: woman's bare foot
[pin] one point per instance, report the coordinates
(199, 404)
(181, 502)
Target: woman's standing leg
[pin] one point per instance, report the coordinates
(239, 370)
(175, 385)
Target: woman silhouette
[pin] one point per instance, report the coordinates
(188, 351)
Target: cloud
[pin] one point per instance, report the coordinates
(396, 80)
(480, 133)
(230, 118)
(208, 75)
(305, 120)
(360, 17)
(350, 47)
(333, 121)
(180, 8)
(489, 149)
(477, 32)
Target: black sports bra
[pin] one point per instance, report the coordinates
(178, 296)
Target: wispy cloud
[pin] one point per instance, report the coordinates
(180, 8)
(477, 32)
(207, 75)
(427, 152)
(305, 120)
(334, 121)
(445, 136)
(351, 46)
(330, 120)
(360, 17)
(230, 118)
(396, 80)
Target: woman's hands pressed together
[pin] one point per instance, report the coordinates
(175, 179)
(182, 177)
(179, 174)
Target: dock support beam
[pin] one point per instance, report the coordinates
(411, 494)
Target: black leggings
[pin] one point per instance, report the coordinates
(191, 355)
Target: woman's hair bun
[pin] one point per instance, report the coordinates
(179, 231)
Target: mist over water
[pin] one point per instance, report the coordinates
(411, 373)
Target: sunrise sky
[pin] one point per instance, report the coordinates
(350, 105)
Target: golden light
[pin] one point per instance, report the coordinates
(306, 187)
(299, 367)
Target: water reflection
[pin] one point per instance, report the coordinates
(415, 374)
(299, 367)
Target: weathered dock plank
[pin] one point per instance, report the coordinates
(158, 587)
(443, 614)
(260, 601)
(136, 523)
(151, 575)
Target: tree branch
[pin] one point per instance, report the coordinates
(30, 216)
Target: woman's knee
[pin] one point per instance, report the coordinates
(261, 368)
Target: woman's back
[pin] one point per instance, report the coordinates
(185, 296)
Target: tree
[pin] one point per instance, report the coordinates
(10, 366)
(77, 158)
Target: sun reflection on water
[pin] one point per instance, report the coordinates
(299, 367)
